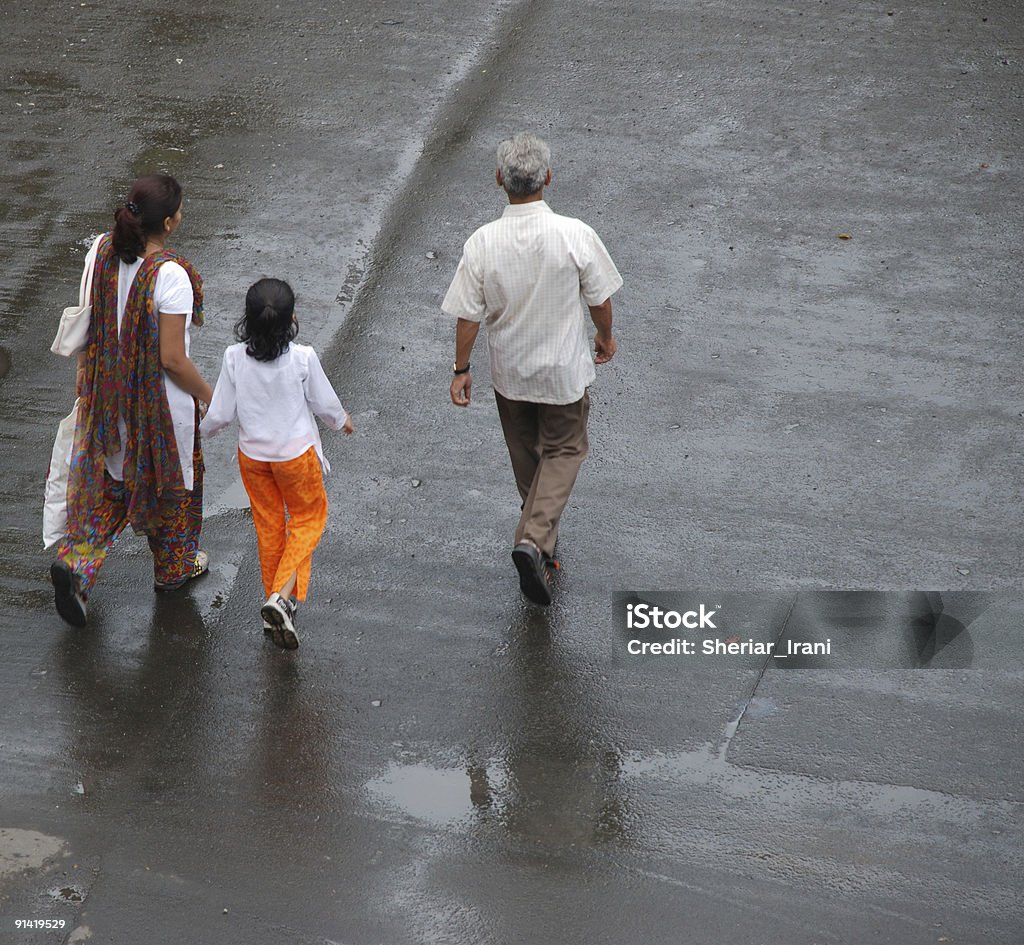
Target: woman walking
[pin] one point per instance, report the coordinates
(137, 458)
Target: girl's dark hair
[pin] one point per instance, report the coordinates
(267, 325)
(152, 199)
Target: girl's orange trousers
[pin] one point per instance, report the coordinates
(289, 509)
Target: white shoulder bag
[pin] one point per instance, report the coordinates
(73, 332)
(55, 495)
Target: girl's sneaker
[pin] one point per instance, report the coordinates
(279, 613)
(268, 627)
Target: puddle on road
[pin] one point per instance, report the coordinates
(761, 708)
(73, 894)
(167, 158)
(232, 499)
(545, 799)
(439, 795)
(22, 850)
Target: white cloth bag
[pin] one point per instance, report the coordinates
(55, 499)
(73, 331)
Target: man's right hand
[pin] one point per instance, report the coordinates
(604, 348)
(460, 389)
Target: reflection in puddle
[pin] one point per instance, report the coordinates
(440, 795)
(545, 799)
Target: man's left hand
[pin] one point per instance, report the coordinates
(461, 388)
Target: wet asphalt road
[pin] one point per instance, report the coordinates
(789, 410)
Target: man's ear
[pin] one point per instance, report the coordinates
(547, 178)
(499, 178)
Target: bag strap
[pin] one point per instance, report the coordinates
(85, 286)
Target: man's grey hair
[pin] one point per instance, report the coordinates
(524, 161)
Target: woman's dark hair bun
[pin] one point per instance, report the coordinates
(152, 199)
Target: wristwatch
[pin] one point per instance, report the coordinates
(457, 370)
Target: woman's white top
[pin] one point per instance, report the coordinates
(275, 403)
(172, 295)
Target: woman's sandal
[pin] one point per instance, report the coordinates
(199, 567)
(67, 594)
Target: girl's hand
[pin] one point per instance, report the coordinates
(348, 428)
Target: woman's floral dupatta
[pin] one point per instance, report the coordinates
(123, 375)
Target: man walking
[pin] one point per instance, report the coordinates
(523, 275)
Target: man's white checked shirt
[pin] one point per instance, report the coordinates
(523, 275)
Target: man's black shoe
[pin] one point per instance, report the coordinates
(534, 576)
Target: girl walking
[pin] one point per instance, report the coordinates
(274, 387)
